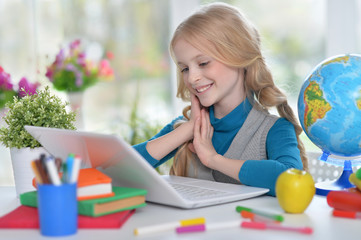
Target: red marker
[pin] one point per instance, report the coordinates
(346, 214)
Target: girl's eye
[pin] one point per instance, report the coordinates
(203, 64)
(184, 70)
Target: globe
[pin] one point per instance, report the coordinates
(329, 109)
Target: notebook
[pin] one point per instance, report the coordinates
(127, 168)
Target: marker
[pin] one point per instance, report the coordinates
(346, 214)
(257, 218)
(275, 217)
(75, 170)
(42, 173)
(69, 167)
(36, 173)
(52, 171)
(263, 226)
(208, 227)
(168, 226)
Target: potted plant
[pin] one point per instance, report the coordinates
(73, 71)
(41, 109)
(8, 89)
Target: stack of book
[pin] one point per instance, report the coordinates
(100, 205)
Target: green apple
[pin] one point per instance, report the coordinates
(294, 190)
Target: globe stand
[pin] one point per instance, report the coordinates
(342, 183)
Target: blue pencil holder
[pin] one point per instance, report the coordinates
(58, 209)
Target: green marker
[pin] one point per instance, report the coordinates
(275, 217)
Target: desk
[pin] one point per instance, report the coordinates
(317, 215)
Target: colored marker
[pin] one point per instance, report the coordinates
(257, 218)
(346, 214)
(275, 217)
(52, 171)
(263, 226)
(36, 173)
(208, 227)
(75, 169)
(69, 167)
(168, 226)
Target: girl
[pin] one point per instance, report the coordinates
(226, 134)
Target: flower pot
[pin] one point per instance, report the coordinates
(76, 105)
(23, 173)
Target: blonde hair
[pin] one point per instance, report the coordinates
(222, 32)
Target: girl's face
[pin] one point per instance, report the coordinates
(213, 82)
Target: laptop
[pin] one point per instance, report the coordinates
(120, 161)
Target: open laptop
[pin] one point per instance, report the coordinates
(116, 158)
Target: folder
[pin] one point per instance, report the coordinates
(27, 217)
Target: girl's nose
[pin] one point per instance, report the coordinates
(194, 75)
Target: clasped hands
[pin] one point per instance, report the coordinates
(202, 133)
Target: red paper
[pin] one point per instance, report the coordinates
(27, 217)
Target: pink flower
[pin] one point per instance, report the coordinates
(25, 87)
(105, 69)
(5, 80)
(110, 55)
(74, 44)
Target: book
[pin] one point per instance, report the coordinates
(27, 217)
(124, 199)
(91, 184)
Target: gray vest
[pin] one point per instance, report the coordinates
(249, 143)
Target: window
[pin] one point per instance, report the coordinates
(295, 39)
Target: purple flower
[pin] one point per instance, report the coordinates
(50, 74)
(25, 87)
(5, 80)
(59, 59)
(79, 78)
(74, 44)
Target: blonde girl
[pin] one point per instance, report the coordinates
(226, 134)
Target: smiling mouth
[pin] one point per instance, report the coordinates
(203, 88)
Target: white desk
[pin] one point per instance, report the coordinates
(317, 215)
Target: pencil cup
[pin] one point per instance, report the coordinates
(58, 211)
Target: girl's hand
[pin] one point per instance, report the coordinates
(195, 108)
(202, 141)
(195, 113)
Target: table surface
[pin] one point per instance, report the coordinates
(318, 216)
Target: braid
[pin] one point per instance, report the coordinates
(265, 94)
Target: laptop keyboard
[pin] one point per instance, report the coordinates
(197, 193)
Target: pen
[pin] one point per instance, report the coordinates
(168, 226)
(346, 214)
(263, 226)
(276, 217)
(208, 227)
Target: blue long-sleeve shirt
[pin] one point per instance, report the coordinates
(281, 147)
